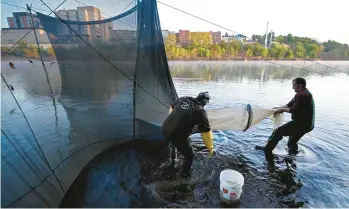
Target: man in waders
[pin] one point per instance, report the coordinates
(302, 108)
(185, 114)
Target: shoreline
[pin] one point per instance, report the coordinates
(254, 59)
(53, 59)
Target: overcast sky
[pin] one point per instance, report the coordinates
(320, 19)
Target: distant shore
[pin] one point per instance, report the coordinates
(249, 59)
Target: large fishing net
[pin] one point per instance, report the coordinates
(109, 82)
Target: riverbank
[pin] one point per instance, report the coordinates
(248, 59)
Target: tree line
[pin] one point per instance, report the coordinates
(23, 49)
(280, 48)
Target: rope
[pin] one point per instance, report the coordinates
(109, 15)
(298, 68)
(25, 158)
(36, 140)
(101, 55)
(199, 18)
(326, 66)
(14, 5)
(233, 32)
(21, 175)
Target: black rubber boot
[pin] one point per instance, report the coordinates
(185, 173)
(173, 154)
(270, 146)
(292, 148)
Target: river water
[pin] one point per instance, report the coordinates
(134, 175)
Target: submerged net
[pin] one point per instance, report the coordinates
(110, 83)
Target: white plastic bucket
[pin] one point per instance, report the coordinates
(231, 183)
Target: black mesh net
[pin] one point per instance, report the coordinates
(109, 83)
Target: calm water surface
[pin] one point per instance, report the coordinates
(319, 176)
(135, 175)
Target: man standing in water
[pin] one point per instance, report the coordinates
(185, 114)
(302, 108)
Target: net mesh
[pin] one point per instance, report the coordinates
(110, 83)
(102, 81)
(240, 119)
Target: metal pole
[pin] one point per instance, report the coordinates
(134, 90)
(48, 81)
(37, 42)
(266, 37)
(43, 64)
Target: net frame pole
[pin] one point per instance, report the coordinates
(37, 42)
(43, 64)
(138, 18)
(134, 105)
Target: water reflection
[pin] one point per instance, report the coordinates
(89, 99)
(95, 95)
(237, 71)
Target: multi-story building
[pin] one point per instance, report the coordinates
(106, 30)
(216, 37)
(90, 13)
(73, 16)
(82, 16)
(165, 34)
(123, 36)
(183, 37)
(22, 20)
(86, 13)
(11, 22)
(227, 38)
(236, 37)
(65, 16)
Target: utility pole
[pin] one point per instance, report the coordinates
(266, 37)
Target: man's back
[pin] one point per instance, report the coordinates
(185, 115)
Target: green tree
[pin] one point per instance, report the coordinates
(283, 47)
(264, 52)
(207, 53)
(289, 54)
(200, 38)
(201, 52)
(249, 53)
(171, 39)
(300, 51)
(51, 52)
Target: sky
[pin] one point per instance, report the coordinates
(322, 20)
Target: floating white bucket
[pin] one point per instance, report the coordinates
(231, 183)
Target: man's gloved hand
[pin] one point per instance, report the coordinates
(213, 153)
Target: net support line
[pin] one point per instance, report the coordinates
(103, 57)
(109, 15)
(26, 158)
(140, 29)
(35, 138)
(215, 24)
(44, 66)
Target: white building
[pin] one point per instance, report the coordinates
(10, 36)
(165, 34)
